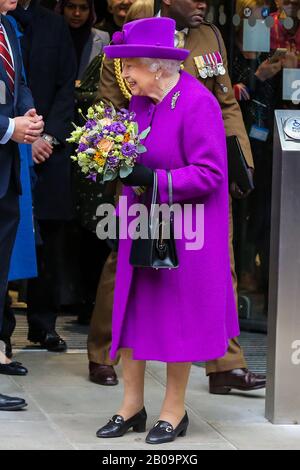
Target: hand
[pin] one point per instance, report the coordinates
(32, 114)
(25, 130)
(140, 176)
(37, 126)
(266, 70)
(290, 60)
(36, 119)
(41, 151)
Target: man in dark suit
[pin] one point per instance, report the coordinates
(50, 67)
(19, 123)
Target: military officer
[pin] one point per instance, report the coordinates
(207, 62)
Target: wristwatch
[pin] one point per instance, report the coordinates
(51, 140)
(48, 138)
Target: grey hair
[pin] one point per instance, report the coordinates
(167, 65)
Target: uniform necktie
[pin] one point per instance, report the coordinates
(7, 59)
(180, 39)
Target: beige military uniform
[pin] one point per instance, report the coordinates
(201, 41)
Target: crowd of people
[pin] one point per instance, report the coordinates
(53, 63)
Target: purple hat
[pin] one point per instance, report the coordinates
(149, 38)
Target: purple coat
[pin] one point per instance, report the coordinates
(187, 314)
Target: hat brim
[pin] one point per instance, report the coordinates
(151, 52)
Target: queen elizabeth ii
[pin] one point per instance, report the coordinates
(186, 314)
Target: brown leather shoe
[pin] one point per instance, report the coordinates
(102, 374)
(221, 383)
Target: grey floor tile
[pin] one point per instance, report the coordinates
(176, 446)
(239, 408)
(8, 385)
(234, 407)
(62, 397)
(31, 413)
(65, 410)
(81, 429)
(261, 436)
(31, 436)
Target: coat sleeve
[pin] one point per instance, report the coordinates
(109, 90)
(204, 152)
(61, 115)
(25, 100)
(4, 124)
(232, 115)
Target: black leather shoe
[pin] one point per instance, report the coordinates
(51, 341)
(221, 383)
(11, 403)
(14, 368)
(164, 432)
(102, 374)
(117, 426)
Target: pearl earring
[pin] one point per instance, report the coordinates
(156, 77)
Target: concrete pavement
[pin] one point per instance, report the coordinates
(65, 410)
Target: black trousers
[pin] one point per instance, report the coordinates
(9, 321)
(43, 295)
(9, 221)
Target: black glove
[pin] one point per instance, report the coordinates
(140, 176)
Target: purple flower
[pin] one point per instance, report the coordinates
(108, 112)
(92, 176)
(113, 162)
(82, 147)
(132, 116)
(94, 139)
(90, 124)
(124, 114)
(129, 150)
(118, 128)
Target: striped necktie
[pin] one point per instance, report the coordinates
(7, 59)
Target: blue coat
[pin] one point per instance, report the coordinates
(23, 262)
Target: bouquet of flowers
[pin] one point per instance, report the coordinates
(108, 144)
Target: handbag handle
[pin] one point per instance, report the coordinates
(155, 190)
(170, 190)
(154, 195)
(154, 199)
(161, 245)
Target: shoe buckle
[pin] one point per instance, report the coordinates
(118, 420)
(169, 429)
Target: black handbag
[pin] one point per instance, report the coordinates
(156, 251)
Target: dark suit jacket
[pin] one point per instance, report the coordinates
(11, 105)
(50, 66)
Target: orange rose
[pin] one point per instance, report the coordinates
(105, 145)
(126, 137)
